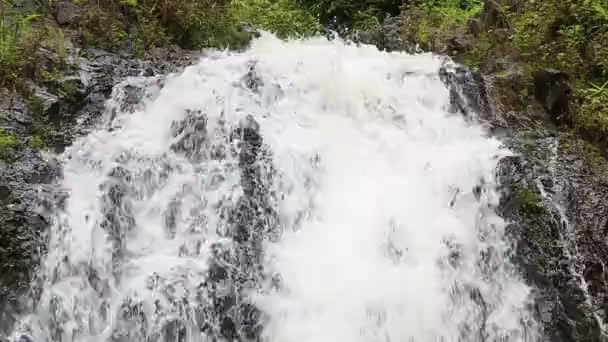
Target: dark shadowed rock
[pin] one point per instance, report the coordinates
(552, 90)
(23, 223)
(475, 27)
(492, 15)
(67, 13)
(65, 108)
(387, 37)
(14, 113)
(553, 198)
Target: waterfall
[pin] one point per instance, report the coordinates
(299, 191)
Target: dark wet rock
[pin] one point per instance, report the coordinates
(459, 42)
(133, 96)
(249, 29)
(23, 223)
(251, 79)
(492, 15)
(57, 111)
(67, 13)
(387, 38)
(166, 60)
(236, 267)
(391, 35)
(475, 27)
(552, 243)
(191, 134)
(553, 198)
(14, 113)
(50, 105)
(118, 219)
(467, 90)
(552, 89)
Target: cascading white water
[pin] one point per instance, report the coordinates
(330, 184)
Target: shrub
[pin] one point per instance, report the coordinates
(282, 17)
(9, 142)
(102, 27)
(591, 116)
(571, 36)
(431, 22)
(341, 15)
(18, 43)
(189, 23)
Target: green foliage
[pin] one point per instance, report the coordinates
(431, 22)
(591, 116)
(282, 17)
(58, 44)
(210, 23)
(18, 43)
(9, 142)
(366, 20)
(344, 14)
(37, 142)
(191, 24)
(39, 129)
(528, 200)
(569, 35)
(572, 36)
(591, 154)
(149, 35)
(102, 27)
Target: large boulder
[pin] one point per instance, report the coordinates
(552, 89)
(67, 13)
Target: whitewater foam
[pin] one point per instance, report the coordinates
(380, 234)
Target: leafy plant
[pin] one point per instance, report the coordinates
(342, 15)
(431, 22)
(282, 17)
(17, 46)
(8, 144)
(595, 91)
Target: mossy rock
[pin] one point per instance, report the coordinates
(9, 144)
(528, 201)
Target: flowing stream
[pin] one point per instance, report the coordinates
(302, 191)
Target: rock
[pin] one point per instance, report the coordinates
(159, 53)
(387, 38)
(391, 34)
(467, 90)
(475, 27)
(23, 224)
(67, 13)
(492, 15)
(458, 43)
(249, 29)
(14, 114)
(507, 88)
(552, 89)
(553, 198)
(502, 35)
(66, 107)
(50, 105)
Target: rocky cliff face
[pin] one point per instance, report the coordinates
(68, 107)
(554, 190)
(554, 187)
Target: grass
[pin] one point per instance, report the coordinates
(430, 23)
(9, 142)
(528, 200)
(282, 17)
(568, 35)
